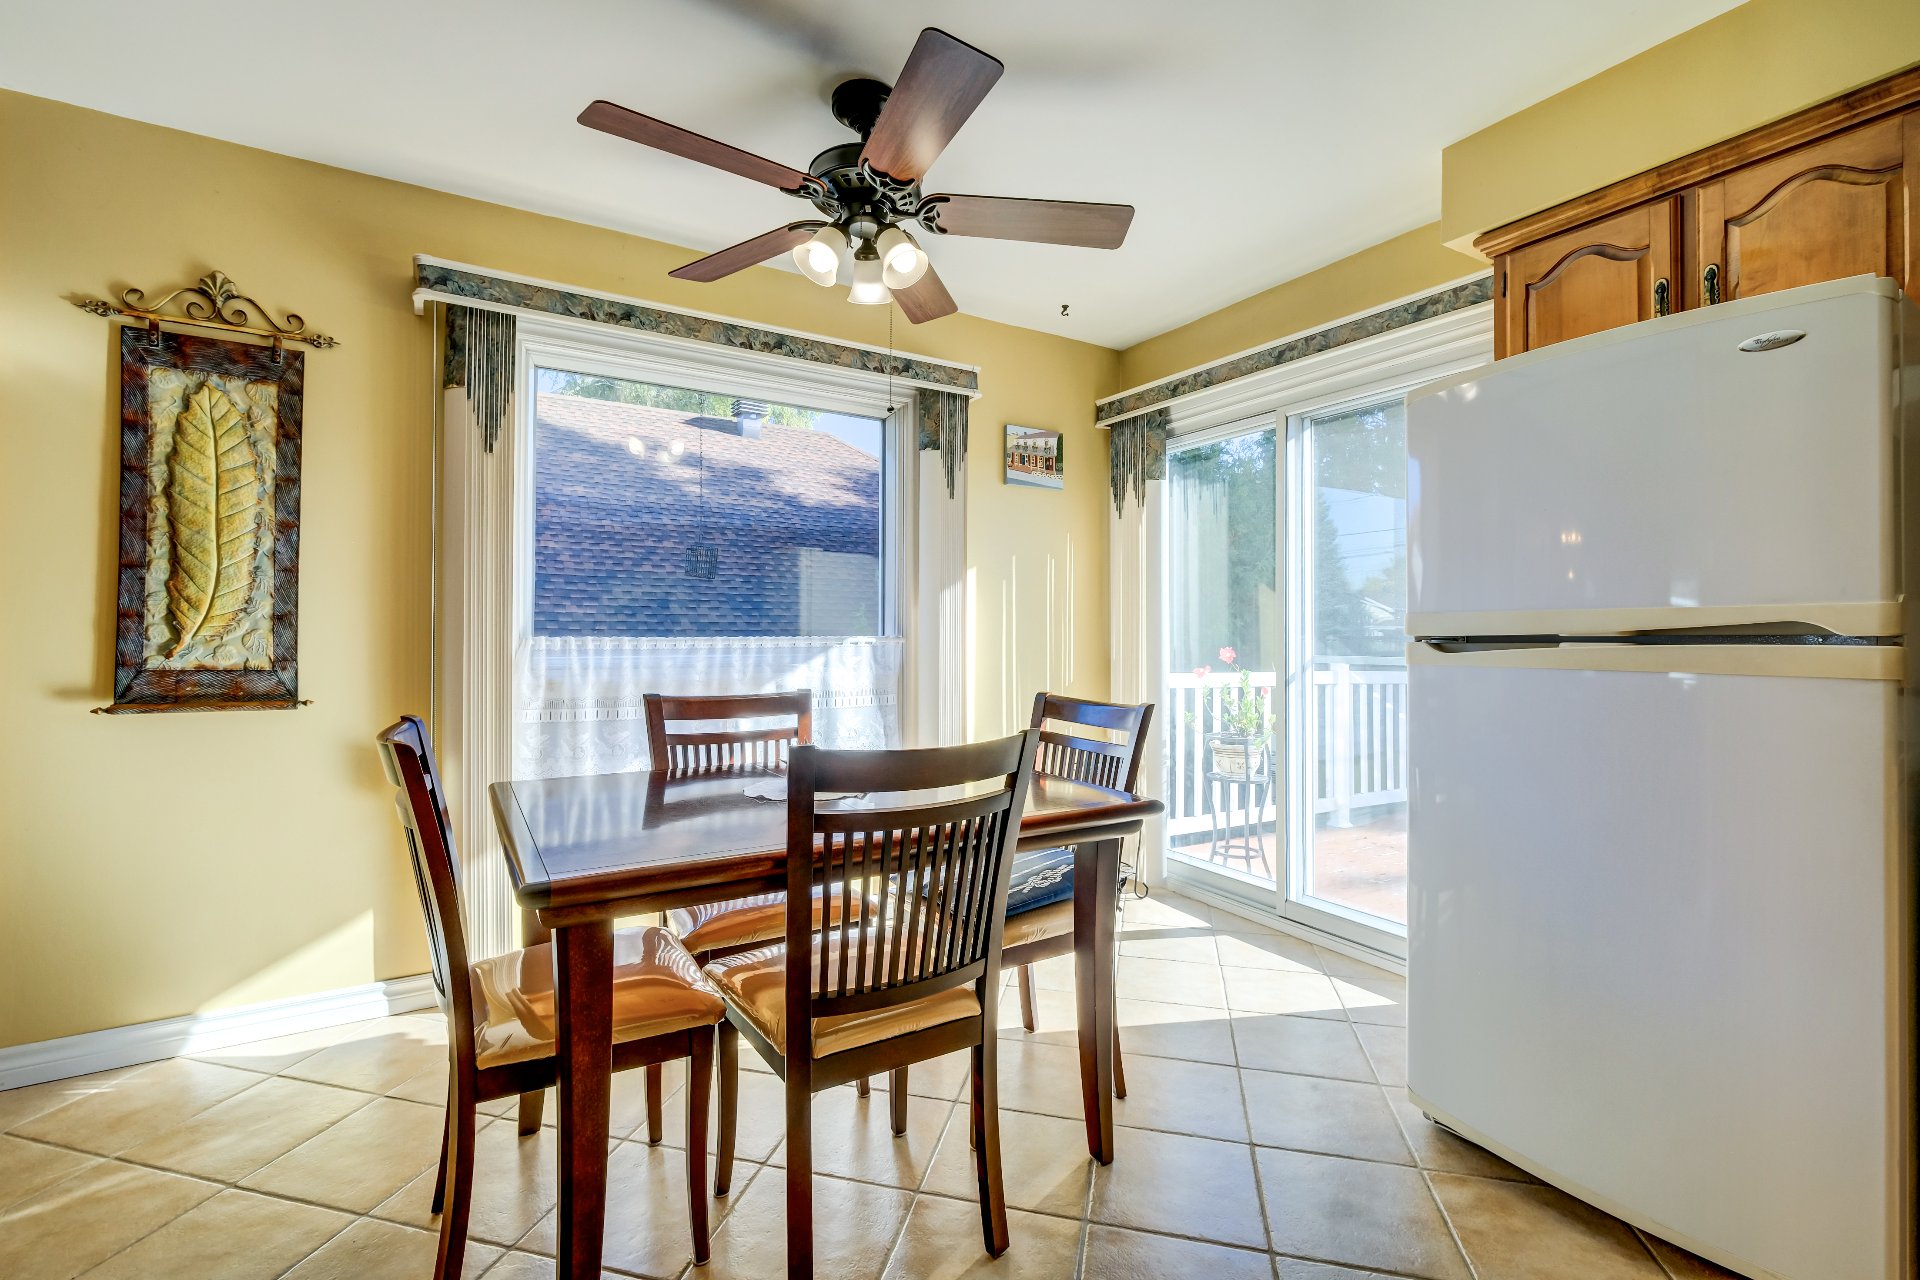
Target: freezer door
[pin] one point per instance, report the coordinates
(1604, 485)
(1659, 941)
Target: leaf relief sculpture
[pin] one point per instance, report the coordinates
(213, 483)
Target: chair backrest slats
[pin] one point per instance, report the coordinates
(707, 749)
(950, 859)
(407, 753)
(1113, 763)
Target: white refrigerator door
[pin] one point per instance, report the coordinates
(1659, 939)
(1595, 487)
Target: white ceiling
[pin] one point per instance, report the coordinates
(1258, 139)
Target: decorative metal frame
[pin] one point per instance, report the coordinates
(214, 303)
(137, 685)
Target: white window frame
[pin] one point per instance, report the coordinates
(484, 582)
(1285, 395)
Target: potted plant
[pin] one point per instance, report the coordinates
(1241, 723)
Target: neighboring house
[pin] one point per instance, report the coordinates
(653, 522)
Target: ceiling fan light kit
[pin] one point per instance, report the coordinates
(869, 289)
(819, 257)
(865, 190)
(902, 260)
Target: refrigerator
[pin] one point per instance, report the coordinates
(1660, 934)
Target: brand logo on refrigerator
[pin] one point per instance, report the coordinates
(1773, 341)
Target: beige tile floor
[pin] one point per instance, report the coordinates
(1268, 1137)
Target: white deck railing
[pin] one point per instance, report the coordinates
(1358, 736)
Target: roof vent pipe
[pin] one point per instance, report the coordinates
(751, 415)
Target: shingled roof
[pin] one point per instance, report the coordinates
(614, 528)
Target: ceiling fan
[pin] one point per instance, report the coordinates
(865, 190)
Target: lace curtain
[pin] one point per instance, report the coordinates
(578, 709)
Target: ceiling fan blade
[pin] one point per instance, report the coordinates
(609, 117)
(927, 299)
(1093, 226)
(747, 253)
(943, 81)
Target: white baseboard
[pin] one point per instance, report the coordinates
(81, 1055)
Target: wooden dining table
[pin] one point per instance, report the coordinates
(585, 851)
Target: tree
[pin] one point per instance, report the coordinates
(1339, 614)
(678, 399)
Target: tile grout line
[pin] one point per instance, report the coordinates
(917, 1190)
(1253, 1156)
(1659, 1262)
(1453, 1231)
(1086, 1224)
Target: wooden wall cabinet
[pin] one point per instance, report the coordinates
(1612, 272)
(1829, 193)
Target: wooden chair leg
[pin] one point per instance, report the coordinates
(729, 1072)
(986, 1144)
(898, 1099)
(699, 1096)
(446, 1153)
(1119, 1069)
(865, 1086)
(459, 1194)
(1025, 978)
(799, 1171)
(531, 1104)
(656, 1107)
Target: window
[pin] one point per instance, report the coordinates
(695, 541)
(671, 513)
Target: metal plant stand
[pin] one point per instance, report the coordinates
(1245, 795)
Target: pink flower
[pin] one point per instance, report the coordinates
(1203, 672)
(1227, 654)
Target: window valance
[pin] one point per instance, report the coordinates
(1117, 408)
(478, 288)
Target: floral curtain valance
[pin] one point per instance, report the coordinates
(479, 357)
(943, 426)
(456, 284)
(1470, 293)
(1136, 453)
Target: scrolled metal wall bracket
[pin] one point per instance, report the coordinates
(214, 303)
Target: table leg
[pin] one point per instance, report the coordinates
(583, 995)
(1096, 869)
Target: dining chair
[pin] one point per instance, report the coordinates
(1040, 897)
(884, 988)
(500, 1011)
(717, 929)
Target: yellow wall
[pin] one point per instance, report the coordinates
(156, 865)
(1388, 271)
(1761, 61)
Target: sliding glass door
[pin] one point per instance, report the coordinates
(1285, 568)
(1346, 713)
(1224, 644)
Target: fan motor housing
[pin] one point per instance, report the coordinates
(856, 103)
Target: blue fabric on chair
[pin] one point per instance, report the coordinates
(1040, 878)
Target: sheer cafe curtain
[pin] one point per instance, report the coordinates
(578, 698)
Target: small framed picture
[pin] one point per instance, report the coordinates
(1036, 457)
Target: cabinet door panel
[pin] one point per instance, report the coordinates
(1592, 278)
(1840, 207)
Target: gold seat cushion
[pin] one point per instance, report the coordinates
(755, 983)
(657, 989)
(1051, 921)
(721, 926)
